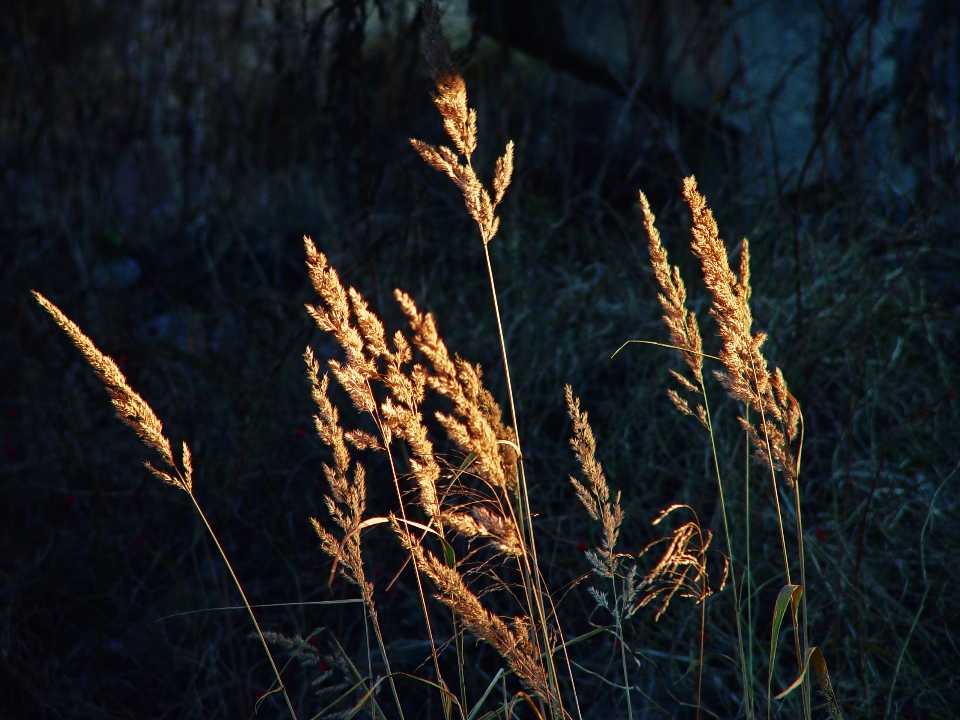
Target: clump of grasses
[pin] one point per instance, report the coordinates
(482, 496)
(775, 429)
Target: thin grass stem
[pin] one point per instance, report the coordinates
(246, 604)
(663, 345)
(423, 597)
(749, 568)
(747, 679)
(458, 631)
(703, 620)
(803, 565)
(366, 638)
(525, 508)
(371, 610)
(623, 651)
(805, 688)
(776, 494)
(783, 544)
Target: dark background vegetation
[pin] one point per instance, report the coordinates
(161, 160)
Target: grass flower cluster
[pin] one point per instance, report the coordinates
(464, 514)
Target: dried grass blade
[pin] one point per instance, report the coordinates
(815, 657)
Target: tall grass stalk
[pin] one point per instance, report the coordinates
(137, 413)
(776, 429)
(685, 337)
(532, 565)
(460, 124)
(749, 699)
(745, 673)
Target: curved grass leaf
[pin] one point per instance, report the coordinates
(448, 555)
(789, 595)
(448, 698)
(486, 693)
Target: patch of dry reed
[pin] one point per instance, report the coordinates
(774, 428)
(484, 500)
(388, 386)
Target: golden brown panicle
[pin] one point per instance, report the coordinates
(333, 316)
(475, 425)
(596, 497)
(348, 497)
(514, 645)
(131, 408)
(363, 343)
(475, 196)
(747, 377)
(460, 124)
(682, 323)
(682, 568)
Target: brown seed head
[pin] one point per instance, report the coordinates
(346, 502)
(513, 645)
(474, 424)
(596, 497)
(682, 323)
(131, 408)
(747, 377)
(683, 567)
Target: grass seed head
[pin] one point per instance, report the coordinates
(596, 496)
(131, 408)
(513, 644)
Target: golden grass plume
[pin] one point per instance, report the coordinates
(475, 424)
(131, 408)
(682, 569)
(389, 386)
(513, 644)
(460, 124)
(348, 497)
(137, 413)
(747, 377)
(596, 495)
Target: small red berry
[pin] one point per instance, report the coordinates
(950, 394)
(123, 359)
(71, 500)
(582, 546)
(821, 535)
(301, 431)
(138, 541)
(322, 666)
